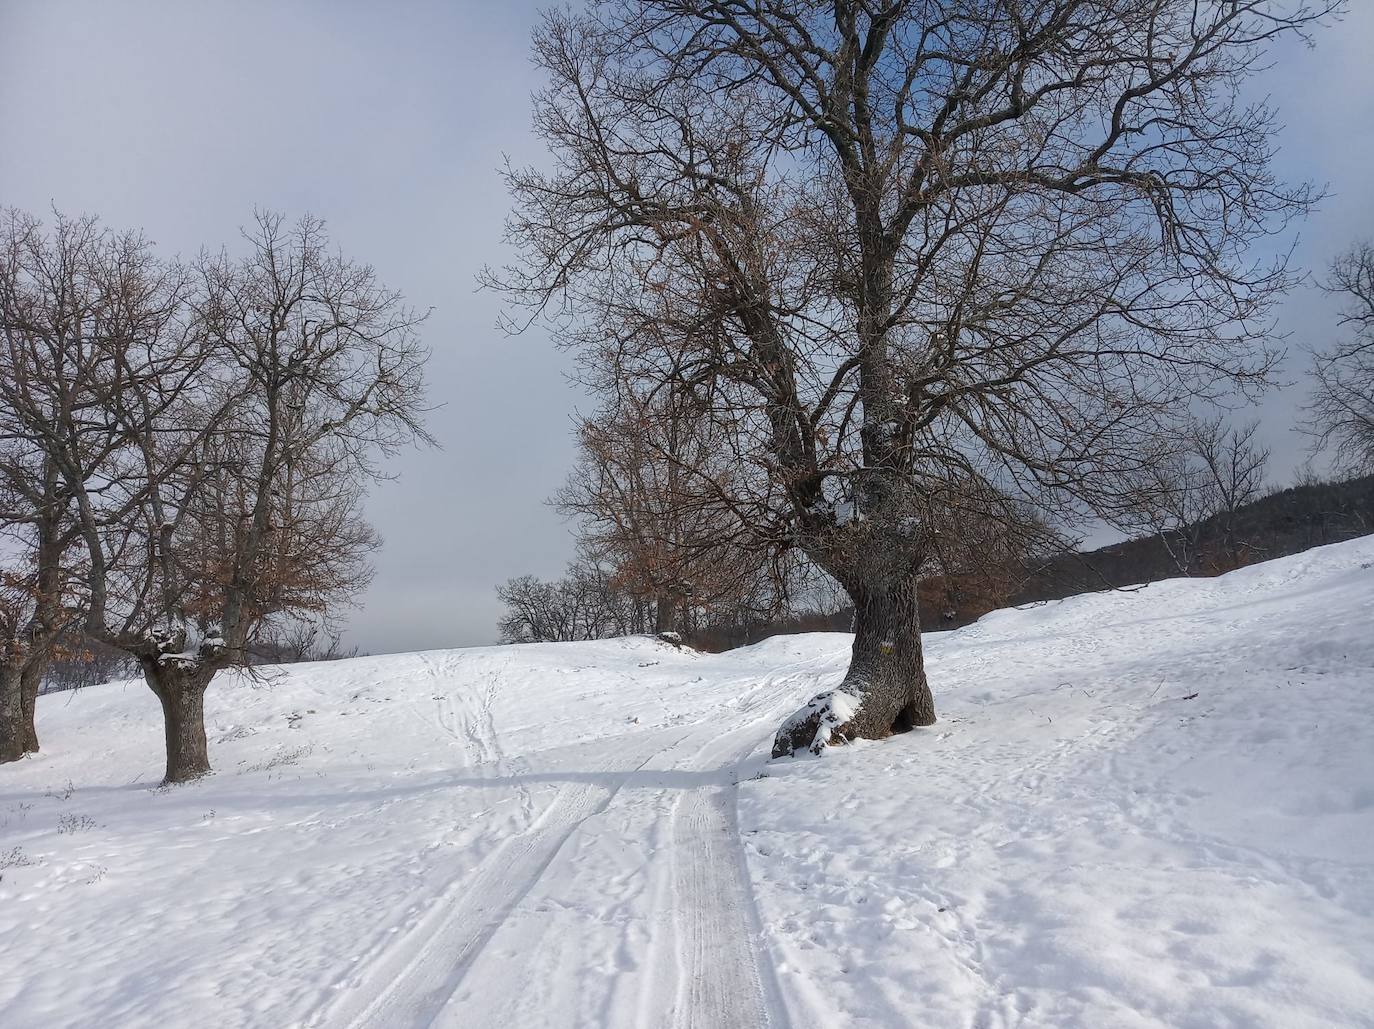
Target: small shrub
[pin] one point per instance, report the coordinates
(15, 858)
(71, 823)
(281, 759)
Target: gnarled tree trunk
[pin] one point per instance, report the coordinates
(12, 737)
(888, 663)
(180, 686)
(885, 690)
(20, 673)
(29, 681)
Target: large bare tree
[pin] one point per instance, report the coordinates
(216, 425)
(1342, 407)
(36, 538)
(52, 286)
(908, 251)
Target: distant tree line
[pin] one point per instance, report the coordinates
(1210, 531)
(1287, 521)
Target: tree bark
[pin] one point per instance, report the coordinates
(181, 689)
(888, 662)
(886, 681)
(29, 681)
(665, 610)
(11, 713)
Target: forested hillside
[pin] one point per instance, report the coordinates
(1287, 522)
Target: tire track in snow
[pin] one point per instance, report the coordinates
(679, 944)
(710, 972)
(724, 973)
(414, 979)
(474, 731)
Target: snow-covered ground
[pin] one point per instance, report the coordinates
(1152, 808)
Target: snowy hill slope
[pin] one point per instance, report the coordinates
(1139, 809)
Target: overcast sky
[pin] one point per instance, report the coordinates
(390, 121)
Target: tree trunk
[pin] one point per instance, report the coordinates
(181, 689)
(888, 663)
(29, 681)
(885, 690)
(664, 611)
(11, 713)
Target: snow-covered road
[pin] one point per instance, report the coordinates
(530, 836)
(1149, 809)
(623, 899)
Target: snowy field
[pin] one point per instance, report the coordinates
(1145, 809)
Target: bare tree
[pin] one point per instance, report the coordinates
(585, 604)
(907, 252)
(304, 639)
(1341, 411)
(1234, 468)
(1170, 504)
(647, 493)
(80, 661)
(216, 426)
(50, 287)
(34, 596)
(21, 664)
(983, 548)
(1191, 496)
